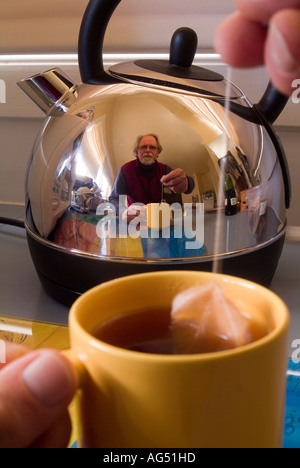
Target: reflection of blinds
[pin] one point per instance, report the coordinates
(97, 157)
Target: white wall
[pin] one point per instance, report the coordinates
(42, 25)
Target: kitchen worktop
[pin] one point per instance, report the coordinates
(22, 296)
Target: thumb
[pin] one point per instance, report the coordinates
(35, 391)
(282, 52)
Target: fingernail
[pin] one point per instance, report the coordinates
(281, 53)
(49, 379)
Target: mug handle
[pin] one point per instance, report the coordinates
(75, 361)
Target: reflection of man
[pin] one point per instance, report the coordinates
(142, 179)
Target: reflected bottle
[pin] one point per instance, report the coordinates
(230, 197)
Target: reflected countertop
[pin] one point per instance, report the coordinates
(22, 295)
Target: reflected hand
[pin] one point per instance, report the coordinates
(133, 212)
(176, 180)
(264, 32)
(126, 216)
(36, 388)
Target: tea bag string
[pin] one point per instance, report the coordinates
(220, 220)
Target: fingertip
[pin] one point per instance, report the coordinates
(50, 378)
(282, 52)
(240, 42)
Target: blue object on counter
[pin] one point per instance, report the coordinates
(167, 243)
(292, 415)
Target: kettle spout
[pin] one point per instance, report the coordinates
(52, 91)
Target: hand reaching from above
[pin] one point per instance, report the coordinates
(264, 32)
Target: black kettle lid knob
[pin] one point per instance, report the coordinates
(184, 45)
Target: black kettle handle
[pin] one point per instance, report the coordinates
(270, 106)
(272, 103)
(91, 39)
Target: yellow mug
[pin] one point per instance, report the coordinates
(129, 399)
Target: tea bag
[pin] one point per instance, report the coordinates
(204, 320)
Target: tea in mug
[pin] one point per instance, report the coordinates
(147, 331)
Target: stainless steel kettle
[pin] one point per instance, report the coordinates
(77, 233)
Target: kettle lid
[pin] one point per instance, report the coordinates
(178, 74)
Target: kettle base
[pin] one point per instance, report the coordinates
(65, 276)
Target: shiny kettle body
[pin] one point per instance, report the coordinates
(76, 234)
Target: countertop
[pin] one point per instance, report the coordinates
(22, 295)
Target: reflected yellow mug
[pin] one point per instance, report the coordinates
(129, 399)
